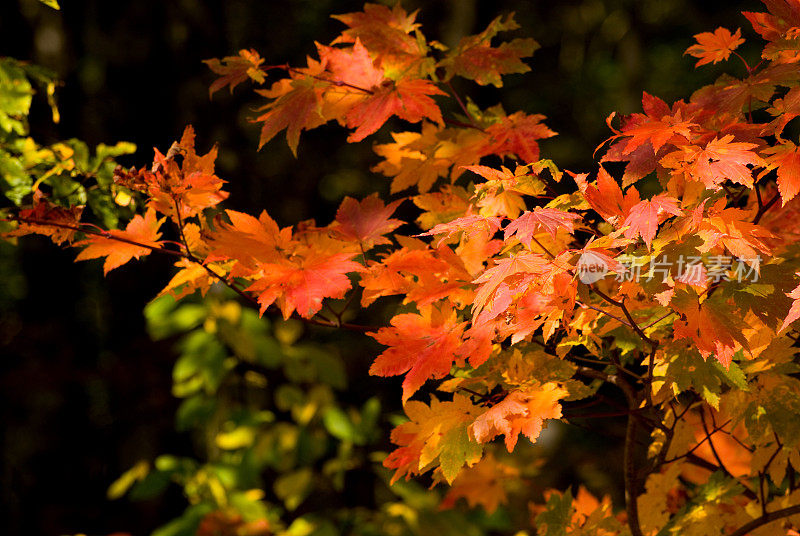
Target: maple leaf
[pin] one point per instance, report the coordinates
(521, 412)
(191, 277)
(720, 160)
(786, 158)
(540, 220)
(248, 241)
(779, 26)
(784, 110)
(422, 274)
(794, 312)
(475, 58)
(709, 325)
(731, 96)
(302, 284)
(408, 99)
(351, 67)
(296, 105)
(415, 158)
(471, 225)
(490, 281)
(434, 433)
(234, 70)
(367, 221)
(732, 229)
(715, 47)
(188, 184)
(421, 346)
(657, 126)
(517, 134)
(390, 34)
(607, 198)
(482, 484)
(644, 217)
(66, 220)
(118, 247)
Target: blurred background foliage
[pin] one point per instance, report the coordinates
(86, 393)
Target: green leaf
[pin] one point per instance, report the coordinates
(122, 484)
(186, 525)
(15, 181)
(194, 411)
(165, 318)
(16, 94)
(458, 449)
(557, 515)
(339, 424)
(294, 487)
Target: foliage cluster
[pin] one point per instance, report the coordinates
(524, 294)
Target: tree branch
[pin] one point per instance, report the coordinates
(766, 518)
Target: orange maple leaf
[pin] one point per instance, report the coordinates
(422, 346)
(607, 198)
(493, 282)
(482, 484)
(189, 184)
(521, 412)
(248, 241)
(118, 247)
(659, 125)
(786, 158)
(713, 330)
(351, 67)
(422, 439)
(471, 225)
(720, 160)
(715, 47)
(296, 105)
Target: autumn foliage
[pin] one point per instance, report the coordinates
(669, 273)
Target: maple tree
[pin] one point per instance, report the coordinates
(669, 274)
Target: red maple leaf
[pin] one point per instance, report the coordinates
(367, 221)
(423, 346)
(517, 135)
(408, 99)
(389, 34)
(644, 217)
(539, 220)
(606, 198)
(303, 284)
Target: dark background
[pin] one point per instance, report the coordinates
(84, 393)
